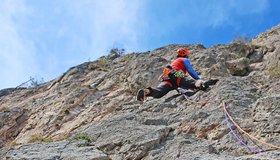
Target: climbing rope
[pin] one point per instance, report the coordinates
(237, 137)
(204, 101)
(242, 130)
(228, 117)
(200, 100)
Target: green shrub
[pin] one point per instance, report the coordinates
(84, 136)
(274, 71)
(127, 57)
(13, 143)
(255, 45)
(39, 138)
(118, 51)
(102, 61)
(243, 39)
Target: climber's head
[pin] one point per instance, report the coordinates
(182, 52)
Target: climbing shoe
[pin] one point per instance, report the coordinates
(208, 83)
(140, 95)
(211, 82)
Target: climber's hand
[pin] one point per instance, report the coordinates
(199, 83)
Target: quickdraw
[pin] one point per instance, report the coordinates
(178, 74)
(168, 72)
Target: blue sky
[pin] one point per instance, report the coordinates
(44, 38)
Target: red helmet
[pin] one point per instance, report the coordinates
(182, 52)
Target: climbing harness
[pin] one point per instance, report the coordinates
(169, 74)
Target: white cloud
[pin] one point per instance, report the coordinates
(52, 37)
(35, 36)
(17, 57)
(110, 23)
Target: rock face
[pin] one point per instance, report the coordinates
(90, 112)
(56, 150)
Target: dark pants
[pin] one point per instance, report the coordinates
(164, 87)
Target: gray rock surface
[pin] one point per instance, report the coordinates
(95, 101)
(56, 150)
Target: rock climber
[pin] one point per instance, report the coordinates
(174, 76)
